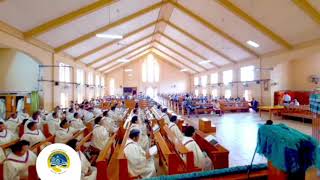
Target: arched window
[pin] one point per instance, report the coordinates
(112, 87)
(150, 70)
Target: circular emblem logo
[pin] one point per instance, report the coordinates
(58, 162)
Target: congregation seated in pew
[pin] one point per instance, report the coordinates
(100, 134)
(33, 134)
(64, 133)
(6, 135)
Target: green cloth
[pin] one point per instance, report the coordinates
(35, 101)
(212, 173)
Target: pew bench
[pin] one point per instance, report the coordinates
(104, 159)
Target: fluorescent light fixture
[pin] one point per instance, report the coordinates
(123, 60)
(109, 36)
(184, 70)
(204, 62)
(128, 70)
(253, 44)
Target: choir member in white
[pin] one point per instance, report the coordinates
(17, 163)
(165, 116)
(88, 115)
(64, 133)
(100, 135)
(140, 163)
(88, 172)
(108, 123)
(32, 134)
(53, 123)
(143, 139)
(174, 128)
(70, 114)
(201, 160)
(2, 109)
(23, 114)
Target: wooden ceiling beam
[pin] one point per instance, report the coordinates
(107, 27)
(183, 56)
(188, 49)
(122, 56)
(197, 40)
(116, 41)
(119, 50)
(308, 9)
(57, 22)
(213, 28)
(254, 23)
(185, 65)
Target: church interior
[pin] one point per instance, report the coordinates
(162, 89)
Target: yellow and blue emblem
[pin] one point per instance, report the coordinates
(58, 162)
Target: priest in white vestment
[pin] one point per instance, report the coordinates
(53, 123)
(201, 160)
(174, 128)
(33, 135)
(100, 135)
(13, 123)
(6, 136)
(140, 163)
(64, 133)
(18, 161)
(88, 172)
(76, 122)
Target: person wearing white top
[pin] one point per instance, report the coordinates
(88, 115)
(23, 115)
(108, 123)
(97, 112)
(70, 114)
(77, 122)
(13, 123)
(15, 167)
(88, 172)
(140, 162)
(174, 128)
(100, 135)
(286, 99)
(6, 136)
(53, 123)
(64, 133)
(35, 118)
(20, 105)
(165, 116)
(143, 139)
(200, 159)
(33, 135)
(2, 109)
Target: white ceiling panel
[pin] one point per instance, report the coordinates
(178, 64)
(96, 20)
(178, 57)
(231, 24)
(284, 18)
(215, 40)
(124, 52)
(114, 56)
(191, 44)
(119, 45)
(27, 14)
(185, 52)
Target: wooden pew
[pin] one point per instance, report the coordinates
(174, 164)
(37, 147)
(217, 153)
(234, 106)
(180, 149)
(123, 171)
(104, 158)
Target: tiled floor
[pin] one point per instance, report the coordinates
(237, 132)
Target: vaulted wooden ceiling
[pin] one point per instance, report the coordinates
(185, 32)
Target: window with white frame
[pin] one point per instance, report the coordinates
(227, 76)
(196, 92)
(214, 78)
(204, 80)
(90, 83)
(64, 72)
(97, 86)
(227, 93)
(112, 87)
(150, 70)
(204, 92)
(247, 95)
(63, 100)
(247, 73)
(90, 78)
(196, 81)
(214, 93)
(80, 88)
(102, 88)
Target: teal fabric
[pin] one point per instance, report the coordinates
(288, 149)
(212, 173)
(35, 101)
(315, 103)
